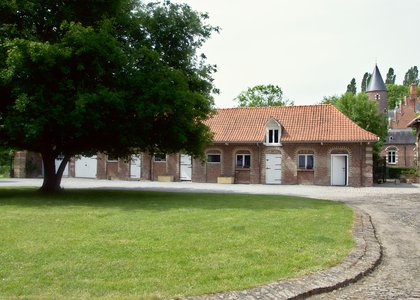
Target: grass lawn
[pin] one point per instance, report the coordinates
(152, 245)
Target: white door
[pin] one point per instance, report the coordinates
(339, 169)
(57, 165)
(86, 167)
(186, 167)
(273, 168)
(135, 167)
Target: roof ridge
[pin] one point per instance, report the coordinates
(274, 106)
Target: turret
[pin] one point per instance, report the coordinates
(376, 90)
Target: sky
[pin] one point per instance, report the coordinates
(309, 48)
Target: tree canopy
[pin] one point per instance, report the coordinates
(390, 76)
(363, 112)
(119, 77)
(396, 94)
(365, 81)
(262, 95)
(412, 76)
(351, 87)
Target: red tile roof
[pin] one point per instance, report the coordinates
(312, 123)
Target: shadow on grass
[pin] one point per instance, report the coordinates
(152, 200)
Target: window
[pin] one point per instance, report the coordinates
(243, 160)
(306, 161)
(391, 156)
(160, 157)
(272, 133)
(377, 97)
(213, 158)
(273, 136)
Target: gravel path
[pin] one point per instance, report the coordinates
(394, 208)
(397, 221)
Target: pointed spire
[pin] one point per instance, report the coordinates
(376, 82)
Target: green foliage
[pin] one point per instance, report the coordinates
(396, 94)
(153, 245)
(365, 81)
(396, 172)
(364, 113)
(351, 87)
(115, 76)
(263, 95)
(412, 76)
(390, 77)
(330, 100)
(5, 161)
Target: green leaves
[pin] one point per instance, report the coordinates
(365, 113)
(83, 76)
(263, 95)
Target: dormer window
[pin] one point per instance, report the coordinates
(273, 136)
(272, 133)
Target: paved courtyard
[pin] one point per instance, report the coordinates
(394, 208)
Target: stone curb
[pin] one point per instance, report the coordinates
(362, 260)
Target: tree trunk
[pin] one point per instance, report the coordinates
(52, 178)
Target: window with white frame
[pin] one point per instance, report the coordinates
(306, 161)
(272, 133)
(243, 160)
(391, 156)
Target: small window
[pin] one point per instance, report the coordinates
(273, 136)
(306, 161)
(213, 158)
(243, 160)
(391, 156)
(160, 158)
(377, 97)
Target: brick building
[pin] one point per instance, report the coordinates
(262, 145)
(399, 147)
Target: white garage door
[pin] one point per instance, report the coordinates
(86, 167)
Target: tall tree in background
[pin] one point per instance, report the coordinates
(390, 77)
(396, 94)
(351, 87)
(365, 81)
(263, 95)
(117, 76)
(363, 112)
(412, 76)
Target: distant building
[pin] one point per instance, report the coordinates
(400, 145)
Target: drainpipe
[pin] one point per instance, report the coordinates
(259, 163)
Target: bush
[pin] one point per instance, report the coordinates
(395, 172)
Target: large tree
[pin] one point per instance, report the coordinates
(117, 76)
(390, 76)
(263, 95)
(365, 113)
(412, 76)
(351, 87)
(365, 81)
(396, 94)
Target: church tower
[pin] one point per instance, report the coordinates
(376, 90)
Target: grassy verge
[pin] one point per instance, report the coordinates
(149, 245)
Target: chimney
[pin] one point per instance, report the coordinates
(413, 90)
